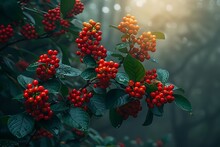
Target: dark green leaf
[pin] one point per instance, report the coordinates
(88, 74)
(18, 97)
(66, 6)
(162, 75)
(122, 78)
(151, 88)
(66, 70)
(52, 85)
(89, 61)
(20, 125)
(179, 90)
(53, 125)
(77, 118)
(99, 90)
(122, 47)
(23, 80)
(149, 118)
(133, 68)
(119, 56)
(157, 111)
(182, 102)
(97, 105)
(115, 118)
(113, 96)
(59, 107)
(33, 66)
(159, 35)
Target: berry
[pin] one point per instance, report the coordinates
(77, 9)
(135, 89)
(79, 133)
(79, 97)
(49, 64)
(36, 101)
(5, 33)
(29, 32)
(150, 75)
(22, 65)
(106, 71)
(42, 133)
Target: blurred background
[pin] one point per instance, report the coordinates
(190, 53)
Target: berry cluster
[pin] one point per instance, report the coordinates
(50, 62)
(42, 133)
(150, 76)
(77, 9)
(89, 41)
(131, 108)
(135, 89)
(79, 97)
(79, 133)
(5, 33)
(36, 104)
(52, 18)
(162, 95)
(29, 31)
(106, 71)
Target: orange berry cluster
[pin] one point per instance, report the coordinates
(36, 104)
(5, 33)
(131, 108)
(42, 133)
(29, 32)
(49, 64)
(77, 9)
(52, 18)
(79, 97)
(105, 71)
(150, 76)
(163, 95)
(135, 89)
(89, 41)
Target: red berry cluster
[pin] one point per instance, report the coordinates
(135, 89)
(78, 132)
(79, 97)
(49, 64)
(150, 76)
(22, 65)
(131, 108)
(29, 31)
(162, 95)
(52, 18)
(77, 9)
(5, 33)
(89, 41)
(42, 133)
(36, 104)
(106, 71)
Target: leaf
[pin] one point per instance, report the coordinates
(59, 107)
(18, 97)
(122, 78)
(53, 125)
(182, 103)
(66, 70)
(77, 118)
(133, 68)
(122, 47)
(33, 66)
(23, 80)
(115, 119)
(8, 143)
(149, 118)
(162, 75)
(121, 101)
(157, 111)
(97, 105)
(159, 35)
(89, 61)
(88, 74)
(52, 85)
(99, 90)
(151, 88)
(119, 56)
(66, 6)
(20, 125)
(113, 95)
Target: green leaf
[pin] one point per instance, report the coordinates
(115, 119)
(77, 118)
(59, 107)
(99, 90)
(33, 66)
(97, 105)
(122, 78)
(182, 103)
(178, 90)
(159, 35)
(23, 80)
(52, 85)
(149, 118)
(122, 47)
(8, 143)
(162, 75)
(157, 111)
(151, 88)
(20, 125)
(88, 74)
(18, 97)
(113, 96)
(89, 61)
(53, 125)
(66, 6)
(66, 70)
(119, 56)
(133, 68)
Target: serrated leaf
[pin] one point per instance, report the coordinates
(33, 66)
(66, 70)
(66, 6)
(52, 85)
(149, 118)
(162, 75)
(77, 118)
(113, 95)
(23, 80)
(157, 111)
(159, 35)
(53, 125)
(59, 107)
(89, 61)
(97, 105)
(134, 69)
(20, 125)
(182, 102)
(88, 74)
(122, 78)
(115, 119)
